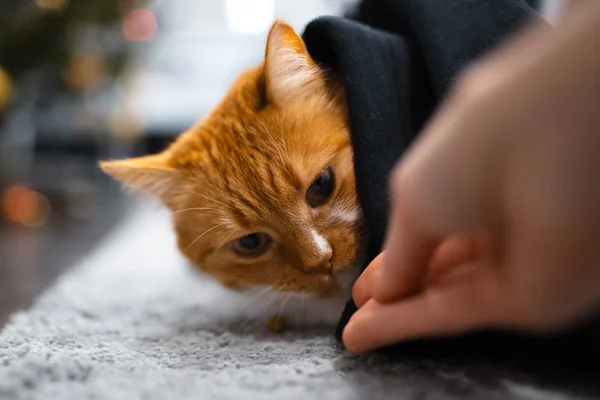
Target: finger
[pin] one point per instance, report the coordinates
(455, 250)
(443, 311)
(408, 251)
(363, 287)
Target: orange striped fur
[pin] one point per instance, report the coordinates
(246, 168)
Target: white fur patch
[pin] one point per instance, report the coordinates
(341, 214)
(261, 302)
(321, 243)
(298, 309)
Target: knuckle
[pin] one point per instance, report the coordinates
(477, 84)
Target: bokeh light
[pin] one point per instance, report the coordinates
(25, 206)
(6, 89)
(51, 4)
(140, 25)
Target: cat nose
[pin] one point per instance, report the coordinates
(323, 266)
(315, 253)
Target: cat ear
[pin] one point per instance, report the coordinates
(290, 72)
(151, 174)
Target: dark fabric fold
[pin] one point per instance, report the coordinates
(397, 60)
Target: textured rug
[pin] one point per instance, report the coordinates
(133, 321)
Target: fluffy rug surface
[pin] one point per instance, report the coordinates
(133, 321)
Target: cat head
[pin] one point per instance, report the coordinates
(262, 189)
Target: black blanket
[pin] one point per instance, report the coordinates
(397, 60)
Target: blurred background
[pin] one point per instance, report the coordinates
(82, 80)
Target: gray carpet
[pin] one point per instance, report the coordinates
(132, 321)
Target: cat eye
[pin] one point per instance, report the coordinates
(252, 245)
(321, 189)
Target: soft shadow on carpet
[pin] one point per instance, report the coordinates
(133, 321)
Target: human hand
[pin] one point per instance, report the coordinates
(495, 217)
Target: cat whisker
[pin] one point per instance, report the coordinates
(255, 299)
(210, 199)
(284, 165)
(309, 298)
(203, 233)
(196, 209)
(224, 241)
(283, 305)
(266, 310)
(303, 298)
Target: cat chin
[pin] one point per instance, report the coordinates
(297, 309)
(259, 303)
(300, 309)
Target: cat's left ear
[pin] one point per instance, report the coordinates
(151, 174)
(290, 72)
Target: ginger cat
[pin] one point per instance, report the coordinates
(262, 189)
